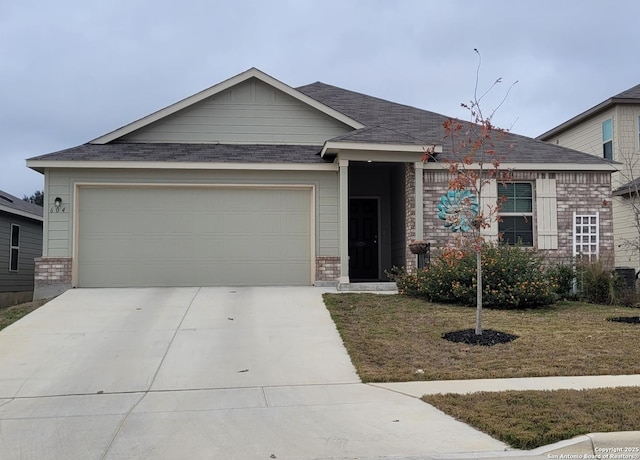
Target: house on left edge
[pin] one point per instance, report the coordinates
(21, 243)
(255, 182)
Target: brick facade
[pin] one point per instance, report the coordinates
(581, 192)
(410, 217)
(52, 276)
(327, 268)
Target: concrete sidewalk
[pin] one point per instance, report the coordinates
(595, 445)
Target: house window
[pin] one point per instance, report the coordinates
(515, 225)
(638, 133)
(586, 238)
(14, 248)
(607, 139)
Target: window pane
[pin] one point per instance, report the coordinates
(15, 235)
(519, 197)
(607, 150)
(13, 263)
(607, 130)
(516, 230)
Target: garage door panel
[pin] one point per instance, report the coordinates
(187, 237)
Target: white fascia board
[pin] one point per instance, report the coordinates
(18, 212)
(233, 81)
(531, 166)
(337, 146)
(41, 164)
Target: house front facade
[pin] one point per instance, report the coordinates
(20, 245)
(611, 130)
(253, 182)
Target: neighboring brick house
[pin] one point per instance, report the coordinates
(253, 182)
(611, 130)
(20, 244)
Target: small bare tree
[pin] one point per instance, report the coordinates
(474, 163)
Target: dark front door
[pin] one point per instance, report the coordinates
(363, 239)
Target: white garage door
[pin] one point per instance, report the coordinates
(191, 236)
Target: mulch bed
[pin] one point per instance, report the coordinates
(625, 319)
(488, 337)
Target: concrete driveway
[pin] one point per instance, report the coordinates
(201, 373)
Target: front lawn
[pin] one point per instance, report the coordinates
(530, 419)
(395, 338)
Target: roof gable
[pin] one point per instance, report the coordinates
(240, 87)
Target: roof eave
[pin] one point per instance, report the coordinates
(611, 102)
(547, 167)
(41, 165)
(335, 147)
(18, 212)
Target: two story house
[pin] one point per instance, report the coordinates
(611, 130)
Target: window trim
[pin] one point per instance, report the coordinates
(607, 141)
(528, 215)
(578, 236)
(16, 248)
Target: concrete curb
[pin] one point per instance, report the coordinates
(619, 445)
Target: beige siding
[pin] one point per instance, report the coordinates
(625, 230)
(249, 113)
(587, 137)
(61, 182)
(626, 149)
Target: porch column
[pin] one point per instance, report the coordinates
(344, 221)
(419, 192)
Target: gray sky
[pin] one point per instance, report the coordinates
(72, 70)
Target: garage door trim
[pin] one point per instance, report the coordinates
(78, 186)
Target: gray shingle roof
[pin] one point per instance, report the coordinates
(13, 202)
(630, 96)
(426, 127)
(235, 153)
(385, 123)
(631, 93)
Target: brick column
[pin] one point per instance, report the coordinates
(327, 270)
(52, 276)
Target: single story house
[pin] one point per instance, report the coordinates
(20, 244)
(254, 182)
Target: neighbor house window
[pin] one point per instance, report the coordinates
(516, 213)
(607, 139)
(638, 133)
(14, 248)
(586, 237)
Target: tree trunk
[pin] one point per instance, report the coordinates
(479, 292)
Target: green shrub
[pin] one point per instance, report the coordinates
(563, 276)
(513, 277)
(598, 283)
(595, 282)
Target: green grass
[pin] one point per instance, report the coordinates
(9, 315)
